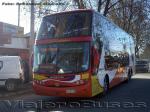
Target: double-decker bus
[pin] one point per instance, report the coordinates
(80, 54)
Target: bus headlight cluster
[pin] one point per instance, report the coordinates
(81, 82)
(84, 79)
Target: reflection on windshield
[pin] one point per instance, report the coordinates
(65, 25)
(61, 58)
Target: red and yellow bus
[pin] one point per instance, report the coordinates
(80, 54)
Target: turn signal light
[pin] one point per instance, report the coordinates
(85, 76)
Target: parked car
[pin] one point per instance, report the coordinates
(142, 66)
(11, 72)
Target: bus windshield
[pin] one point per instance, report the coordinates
(65, 25)
(61, 58)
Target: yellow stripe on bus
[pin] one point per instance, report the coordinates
(85, 76)
(96, 88)
(39, 77)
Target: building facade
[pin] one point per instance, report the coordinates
(13, 42)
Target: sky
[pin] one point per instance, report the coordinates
(9, 14)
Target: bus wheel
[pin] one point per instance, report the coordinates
(10, 85)
(106, 85)
(129, 75)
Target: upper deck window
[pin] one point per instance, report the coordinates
(71, 24)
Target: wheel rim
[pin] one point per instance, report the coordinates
(129, 76)
(10, 86)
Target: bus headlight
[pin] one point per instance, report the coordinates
(80, 82)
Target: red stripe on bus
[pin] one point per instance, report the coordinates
(57, 40)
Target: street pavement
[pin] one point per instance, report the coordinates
(25, 88)
(133, 96)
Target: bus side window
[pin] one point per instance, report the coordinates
(98, 42)
(109, 62)
(126, 59)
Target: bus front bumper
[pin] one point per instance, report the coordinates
(76, 91)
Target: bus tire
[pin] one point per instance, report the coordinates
(106, 85)
(10, 85)
(129, 75)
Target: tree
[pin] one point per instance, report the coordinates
(99, 5)
(45, 7)
(132, 17)
(146, 53)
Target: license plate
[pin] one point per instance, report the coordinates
(70, 91)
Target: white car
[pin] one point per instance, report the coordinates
(11, 72)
